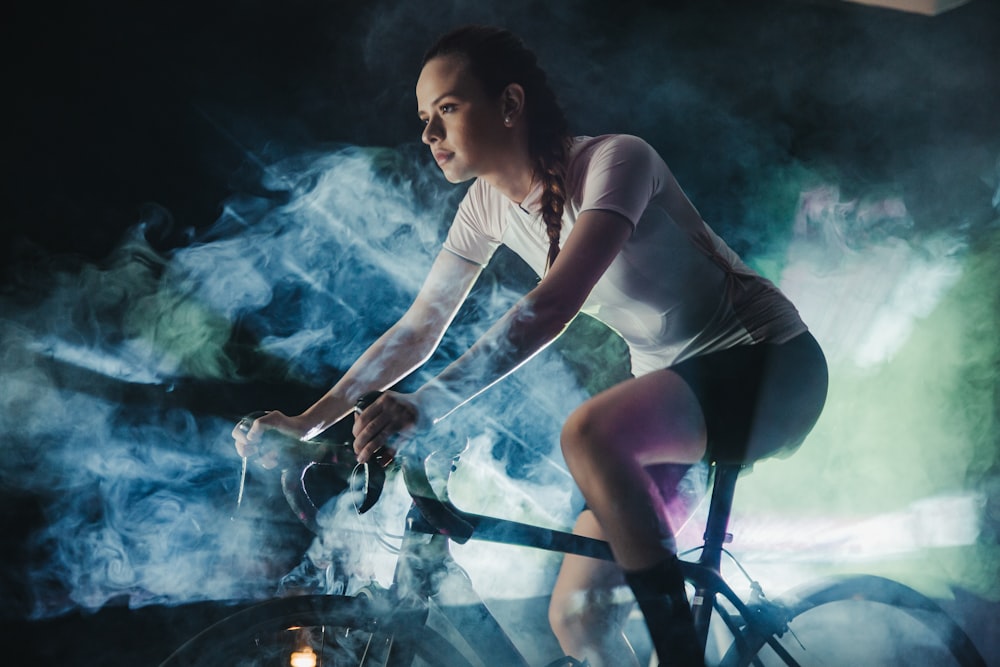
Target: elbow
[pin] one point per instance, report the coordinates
(544, 318)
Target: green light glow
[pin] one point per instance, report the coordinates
(922, 424)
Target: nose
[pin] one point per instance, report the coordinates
(433, 131)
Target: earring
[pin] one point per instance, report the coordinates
(507, 121)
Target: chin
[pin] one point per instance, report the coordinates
(455, 178)
(456, 170)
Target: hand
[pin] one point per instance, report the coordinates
(390, 418)
(249, 435)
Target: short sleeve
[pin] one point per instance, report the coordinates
(623, 175)
(473, 234)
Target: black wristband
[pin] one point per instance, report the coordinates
(366, 400)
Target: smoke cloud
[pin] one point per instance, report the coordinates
(313, 272)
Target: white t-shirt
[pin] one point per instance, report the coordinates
(674, 291)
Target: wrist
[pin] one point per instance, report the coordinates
(326, 412)
(310, 425)
(435, 402)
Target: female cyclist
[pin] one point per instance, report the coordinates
(722, 365)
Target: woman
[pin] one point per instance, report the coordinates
(723, 367)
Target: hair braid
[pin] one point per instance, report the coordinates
(497, 58)
(550, 167)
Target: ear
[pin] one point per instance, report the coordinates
(512, 103)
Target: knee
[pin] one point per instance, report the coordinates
(583, 432)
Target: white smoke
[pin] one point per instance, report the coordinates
(139, 485)
(860, 278)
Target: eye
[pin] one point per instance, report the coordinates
(447, 108)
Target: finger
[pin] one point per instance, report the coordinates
(383, 446)
(256, 432)
(379, 423)
(368, 425)
(244, 448)
(378, 409)
(268, 460)
(265, 421)
(370, 442)
(247, 430)
(239, 435)
(373, 431)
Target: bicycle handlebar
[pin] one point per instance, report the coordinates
(441, 514)
(365, 479)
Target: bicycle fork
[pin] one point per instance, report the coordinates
(429, 578)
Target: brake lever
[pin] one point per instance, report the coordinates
(442, 514)
(373, 475)
(364, 479)
(367, 480)
(244, 425)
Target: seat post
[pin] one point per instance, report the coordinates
(716, 535)
(719, 510)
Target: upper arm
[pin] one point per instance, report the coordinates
(621, 178)
(623, 175)
(444, 291)
(597, 238)
(477, 229)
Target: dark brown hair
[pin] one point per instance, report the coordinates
(498, 58)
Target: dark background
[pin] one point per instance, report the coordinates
(112, 107)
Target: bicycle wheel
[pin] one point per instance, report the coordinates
(318, 631)
(858, 620)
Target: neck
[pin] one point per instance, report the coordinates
(515, 176)
(515, 190)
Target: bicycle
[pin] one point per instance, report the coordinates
(408, 623)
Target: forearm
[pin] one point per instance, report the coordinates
(527, 328)
(396, 354)
(401, 349)
(536, 320)
(519, 335)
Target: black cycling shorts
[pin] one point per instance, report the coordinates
(758, 400)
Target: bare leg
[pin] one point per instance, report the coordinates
(589, 606)
(591, 601)
(608, 441)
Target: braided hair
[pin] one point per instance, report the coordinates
(497, 58)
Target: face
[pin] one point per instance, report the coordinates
(463, 127)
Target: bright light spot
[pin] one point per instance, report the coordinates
(304, 657)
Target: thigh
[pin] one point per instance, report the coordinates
(652, 419)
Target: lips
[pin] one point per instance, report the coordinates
(442, 156)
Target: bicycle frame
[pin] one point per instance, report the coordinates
(443, 521)
(394, 625)
(432, 601)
